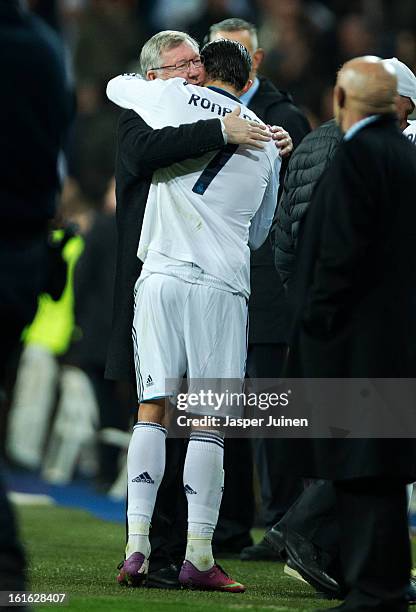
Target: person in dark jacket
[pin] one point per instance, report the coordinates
(353, 257)
(36, 108)
(310, 524)
(305, 169)
(267, 330)
(309, 531)
(307, 165)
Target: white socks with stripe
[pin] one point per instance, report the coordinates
(203, 479)
(145, 468)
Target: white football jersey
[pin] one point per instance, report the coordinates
(206, 210)
(410, 132)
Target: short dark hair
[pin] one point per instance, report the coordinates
(227, 61)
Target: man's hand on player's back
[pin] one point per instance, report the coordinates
(242, 132)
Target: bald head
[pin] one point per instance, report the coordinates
(365, 86)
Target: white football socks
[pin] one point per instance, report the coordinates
(203, 479)
(145, 468)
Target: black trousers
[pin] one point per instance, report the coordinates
(236, 516)
(374, 543)
(12, 558)
(314, 517)
(360, 528)
(169, 522)
(278, 492)
(23, 265)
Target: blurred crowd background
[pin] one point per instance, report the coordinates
(305, 41)
(60, 395)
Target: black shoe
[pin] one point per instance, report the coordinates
(305, 558)
(260, 552)
(275, 538)
(290, 570)
(164, 578)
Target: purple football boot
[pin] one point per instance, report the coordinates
(133, 571)
(214, 579)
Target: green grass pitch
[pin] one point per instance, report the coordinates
(71, 551)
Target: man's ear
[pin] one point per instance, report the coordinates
(339, 96)
(151, 75)
(258, 57)
(246, 87)
(338, 100)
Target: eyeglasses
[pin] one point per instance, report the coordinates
(197, 63)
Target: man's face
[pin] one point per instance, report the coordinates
(404, 107)
(244, 37)
(179, 62)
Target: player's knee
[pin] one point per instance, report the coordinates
(153, 411)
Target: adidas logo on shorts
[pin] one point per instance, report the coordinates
(149, 381)
(144, 477)
(189, 490)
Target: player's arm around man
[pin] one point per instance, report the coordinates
(141, 151)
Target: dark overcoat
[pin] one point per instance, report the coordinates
(353, 296)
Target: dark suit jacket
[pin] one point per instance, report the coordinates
(140, 151)
(354, 292)
(267, 305)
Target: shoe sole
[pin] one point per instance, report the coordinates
(150, 584)
(315, 581)
(196, 587)
(290, 571)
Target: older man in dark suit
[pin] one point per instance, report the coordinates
(354, 318)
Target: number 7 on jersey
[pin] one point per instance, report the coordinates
(213, 168)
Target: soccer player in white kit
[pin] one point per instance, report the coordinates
(202, 217)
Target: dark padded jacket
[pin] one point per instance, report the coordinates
(305, 168)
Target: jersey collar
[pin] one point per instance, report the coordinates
(224, 93)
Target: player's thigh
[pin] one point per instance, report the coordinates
(215, 330)
(159, 347)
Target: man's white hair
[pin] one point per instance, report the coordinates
(150, 56)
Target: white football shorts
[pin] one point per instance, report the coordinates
(185, 328)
